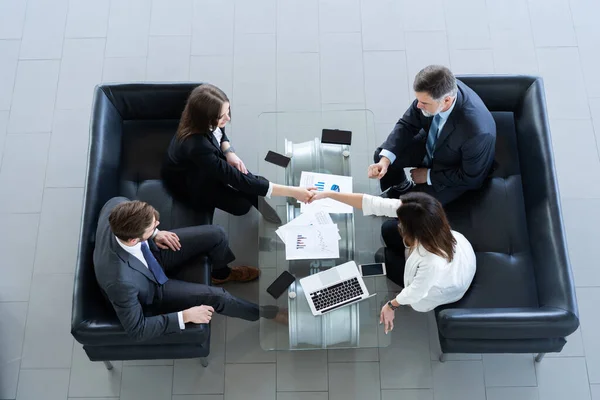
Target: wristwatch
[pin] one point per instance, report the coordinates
(390, 305)
(230, 149)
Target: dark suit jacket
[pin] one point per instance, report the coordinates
(193, 166)
(464, 150)
(129, 286)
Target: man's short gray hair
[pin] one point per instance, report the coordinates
(437, 81)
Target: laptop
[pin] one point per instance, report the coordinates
(334, 288)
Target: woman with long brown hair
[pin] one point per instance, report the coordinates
(434, 264)
(202, 170)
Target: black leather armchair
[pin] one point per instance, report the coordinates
(131, 126)
(522, 299)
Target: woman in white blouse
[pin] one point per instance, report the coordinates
(434, 264)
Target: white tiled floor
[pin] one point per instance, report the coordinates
(268, 55)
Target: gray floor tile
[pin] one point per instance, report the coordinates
(58, 234)
(147, 363)
(551, 23)
(339, 16)
(255, 70)
(588, 39)
(243, 343)
(588, 299)
(9, 57)
(407, 394)
(149, 383)
(128, 27)
(595, 111)
(386, 84)
(302, 371)
(580, 238)
(297, 26)
(573, 348)
(303, 396)
(257, 16)
(87, 19)
(405, 364)
(48, 340)
(217, 70)
(382, 26)
(472, 61)
(513, 393)
(353, 355)
(198, 397)
(595, 390)
(419, 56)
(3, 127)
(514, 51)
(357, 381)
(341, 68)
(298, 85)
(93, 398)
(211, 16)
(168, 58)
(67, 158)
(34, 94)
(424, 16)
(90, 379)
(18, 233)
(584, 12)
(509, 370)
(507, 14)
(24, 160)
(434, 344)
(80, 71)
(250, 381)
(12, 330)
(47, 384)
(562, 378)
(44, 28)
(12, 18)
(171, 17)
(458, 380)
(571, 137)
(467, 25)
(124, 69)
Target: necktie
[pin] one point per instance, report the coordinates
(431, 138)
(153, 265)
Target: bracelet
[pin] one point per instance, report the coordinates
(390, 305)
(230, 149)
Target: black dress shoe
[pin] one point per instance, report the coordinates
(394, 192)
(267, 211)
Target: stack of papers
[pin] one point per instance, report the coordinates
(326, 182)
(312, 235)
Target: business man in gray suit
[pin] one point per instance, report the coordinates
(132, 271)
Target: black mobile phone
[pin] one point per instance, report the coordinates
(277, 159)
(280, 284)
(336, 136)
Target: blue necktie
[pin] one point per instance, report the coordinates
(431, 138)
(153, 265)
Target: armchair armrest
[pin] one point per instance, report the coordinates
(506, 323)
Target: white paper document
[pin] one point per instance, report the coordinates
(313, 241)
(326, 182)
(318, 217)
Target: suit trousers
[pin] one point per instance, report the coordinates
(394, 251)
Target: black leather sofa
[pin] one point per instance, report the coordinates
(131, 127)
(522, 299)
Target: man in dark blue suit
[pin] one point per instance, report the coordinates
(448, 134)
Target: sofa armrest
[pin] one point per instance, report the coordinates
(506, 323)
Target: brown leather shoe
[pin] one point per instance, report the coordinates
(239, 274)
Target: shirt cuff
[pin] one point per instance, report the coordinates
(180, 318)
(388, 154)
(270, 191)
(429, 176)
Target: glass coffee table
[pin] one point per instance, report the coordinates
(297, 135)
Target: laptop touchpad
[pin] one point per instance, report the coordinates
(330, 277)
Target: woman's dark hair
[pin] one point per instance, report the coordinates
(422, 218)
(202, 111)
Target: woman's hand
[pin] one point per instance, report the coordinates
(318, 195)
(303, 194)
(235, 161)
(387, 318)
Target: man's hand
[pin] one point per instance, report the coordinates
(386, 317)
(167, 240)
(235, 161)
(198, 315)
(419, 175)
(380, 169)
(318, 195)
(303, 194)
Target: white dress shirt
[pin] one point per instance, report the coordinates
(136, 251)
(429, 280)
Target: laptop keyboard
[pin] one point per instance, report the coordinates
(336, 294)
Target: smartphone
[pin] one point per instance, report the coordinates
(336, 136)
(277, 159)
(280, 284)
(374, 269)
